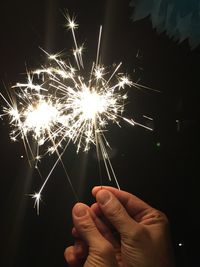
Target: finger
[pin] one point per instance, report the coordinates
(96, 209)
(116, 213)
(135, 207)
(80, 249)
(75, 233)
(84, 224)
(106, 231)
(99, 248)
(98, 212)
(71, 258)
(103, 225)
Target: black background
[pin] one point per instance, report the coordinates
(161, 166)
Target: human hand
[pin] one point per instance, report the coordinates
(144, 236)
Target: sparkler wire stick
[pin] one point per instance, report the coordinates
(99, 44)
(95, 123)
(98, 152)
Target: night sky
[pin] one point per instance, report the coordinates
(161, 167)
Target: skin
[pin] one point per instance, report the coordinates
(119, 230)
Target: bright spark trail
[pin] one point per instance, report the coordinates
(59, 105)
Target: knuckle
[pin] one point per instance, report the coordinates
(116, 211)
(139, 232)
(119, 218)
(161, 217)
(86, 226)
(106, 249)
(164, 217)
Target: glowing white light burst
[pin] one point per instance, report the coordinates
(58, 104)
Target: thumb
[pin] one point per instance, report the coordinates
(100, 250)
(85, 225)
(115, 212)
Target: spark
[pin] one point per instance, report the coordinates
(71, 22)
(61, 104)
(37, 198)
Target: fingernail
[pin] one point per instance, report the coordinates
(104, 197)
(80, 211)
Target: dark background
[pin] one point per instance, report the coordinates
(161, 166)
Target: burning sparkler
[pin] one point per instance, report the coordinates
(58, 105)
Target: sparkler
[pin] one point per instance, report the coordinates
(58, 105)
